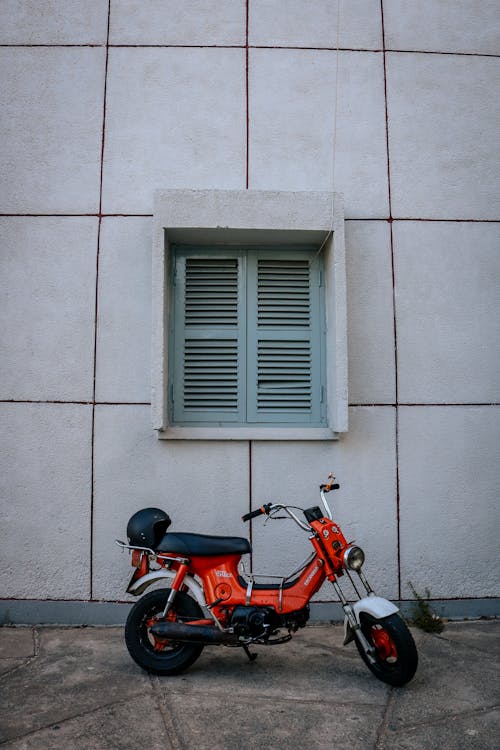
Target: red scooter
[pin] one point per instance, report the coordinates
(210, 600)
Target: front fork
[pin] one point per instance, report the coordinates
(353, 623)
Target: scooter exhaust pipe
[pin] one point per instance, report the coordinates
(177, 631)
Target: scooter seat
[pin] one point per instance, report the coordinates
(203, 545)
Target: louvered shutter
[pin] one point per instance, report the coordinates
(209, 353)
(284, 356)
(247, 337)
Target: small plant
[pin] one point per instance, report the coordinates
(423, 617)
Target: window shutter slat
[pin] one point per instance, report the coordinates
(205, 386)
(283, 292)
(211, 291)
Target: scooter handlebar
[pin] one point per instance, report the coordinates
(263, 510)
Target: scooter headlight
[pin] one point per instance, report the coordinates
(354, 558)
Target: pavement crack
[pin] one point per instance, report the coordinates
(468, 646)
(445, 717)
(78, 715)
(279, 699)
(36, 642)
(387, 716)
(29, 659)
(172, 735)
(17, 668)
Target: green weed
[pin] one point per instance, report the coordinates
(423, 616)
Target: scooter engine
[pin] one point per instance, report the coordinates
(254, 622)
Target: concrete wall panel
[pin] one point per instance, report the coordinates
(370, 313)
(443, 132)
(53, 22)
(292, 123)
(365, 506)
(173, 22)
(443, 26)
(203, 486)
(448, 312)
(45, 500)
(124, 312)
(292, 23)
(185, 128)
(449, 500)
(52, 129)
(47, 277)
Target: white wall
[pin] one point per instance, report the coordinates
(177, 95)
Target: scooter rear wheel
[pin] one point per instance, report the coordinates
(154, 655)
(396, 657)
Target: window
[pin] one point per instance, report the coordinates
(247, 328)
(249, 337)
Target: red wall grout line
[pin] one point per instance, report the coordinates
(75, 403)
(247, 94)
(177, 46)
(44, 401)
(421, 219)
(441, 52)
(251, 46)
(74, 216)
(425, 404)
(92, 457)
(457, 221)
(247, 163)
(467, 403)
(250, 501)
(55, 45)
(398, 519)
(149, 216)
(366, 49)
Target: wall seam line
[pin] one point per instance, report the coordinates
(149, 216)
(391, 240)
(96, 312)
(92, 45)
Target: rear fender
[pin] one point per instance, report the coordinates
(138, 587)
(376, 606)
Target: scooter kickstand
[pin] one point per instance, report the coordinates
(251, 657)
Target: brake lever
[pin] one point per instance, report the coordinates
(271, 516)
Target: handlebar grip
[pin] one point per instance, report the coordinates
(328, 487)
(254, 513)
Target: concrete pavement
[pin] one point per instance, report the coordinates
(78, 688)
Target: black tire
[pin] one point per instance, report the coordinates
(396, 657)
(167, 657)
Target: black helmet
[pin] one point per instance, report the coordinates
(147, 527)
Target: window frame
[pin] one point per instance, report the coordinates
(251, 217)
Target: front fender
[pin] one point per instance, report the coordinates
(139, 586)
(376, 606)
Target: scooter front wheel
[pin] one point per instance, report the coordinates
(396, 657)
(154, 655)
